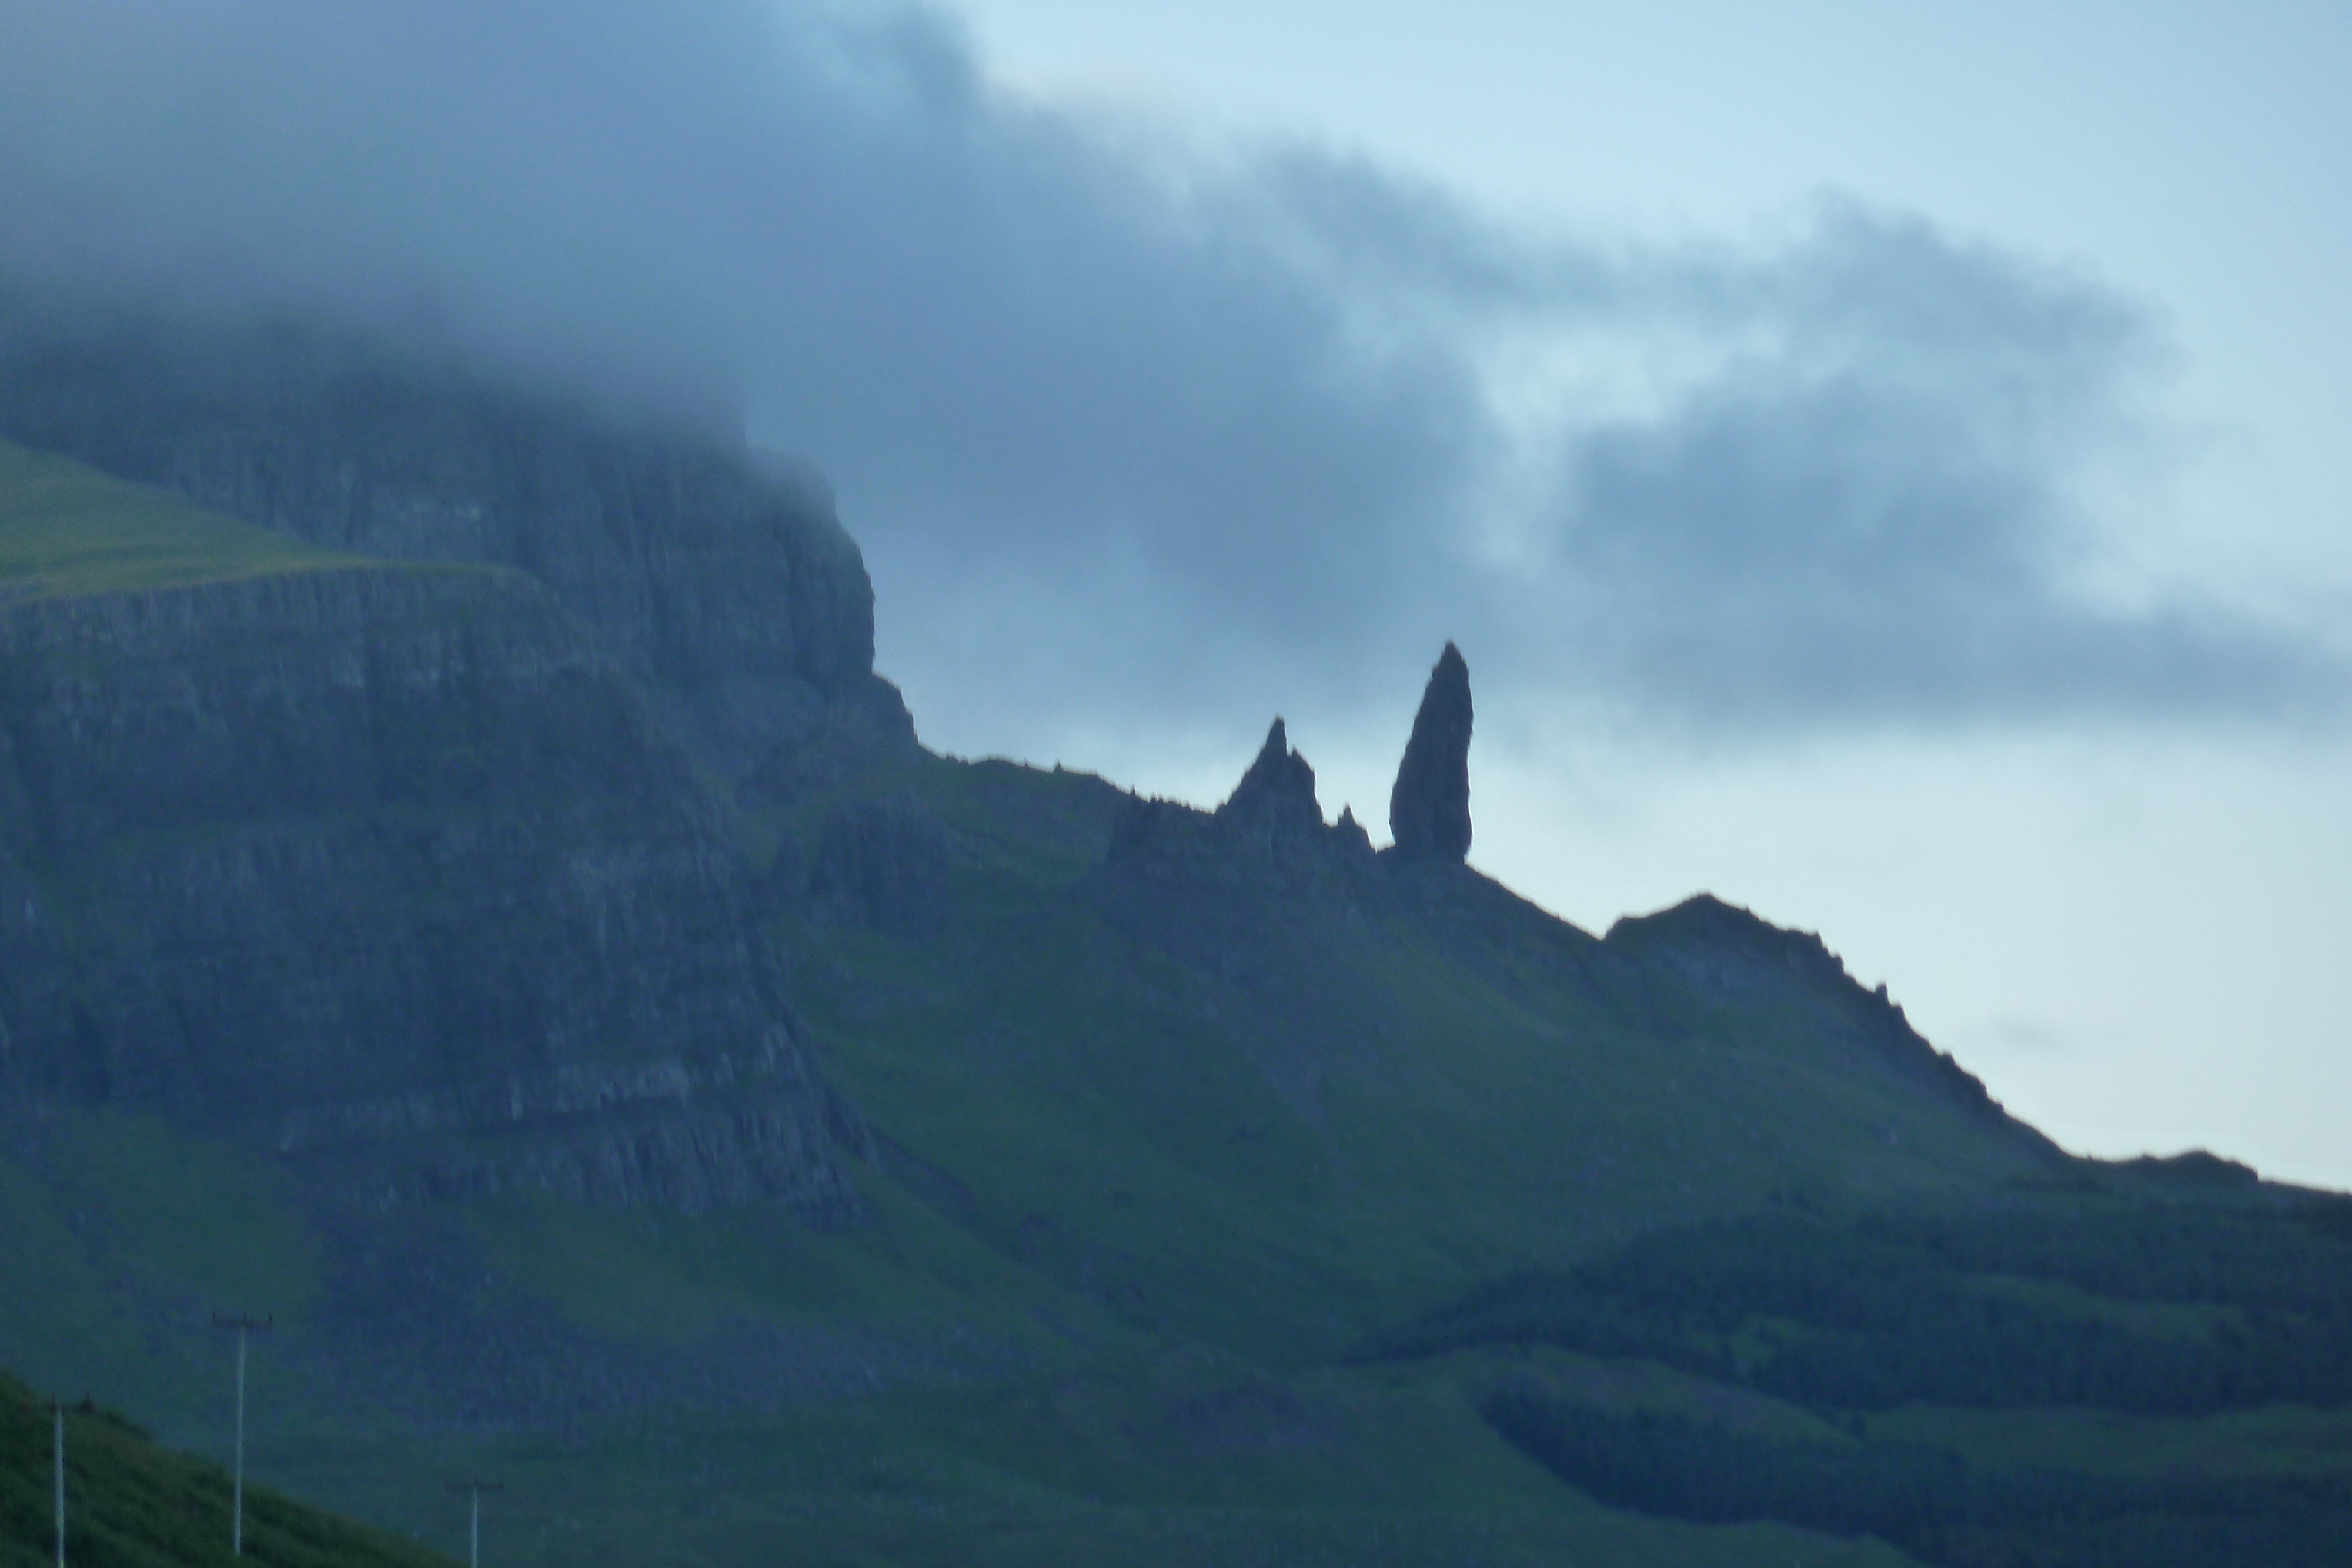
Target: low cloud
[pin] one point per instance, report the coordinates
(2023, 1036)
(1141, 428)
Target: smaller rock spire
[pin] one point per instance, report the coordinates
(1277, 793)
(1429, 810)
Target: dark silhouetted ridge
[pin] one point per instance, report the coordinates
(1277, 796)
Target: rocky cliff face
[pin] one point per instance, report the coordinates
(1268, 834)
(391, 867)
(1275, 798)
(732, 595)
(883, 864)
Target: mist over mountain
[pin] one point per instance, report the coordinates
(1091, 385)
(471, 886)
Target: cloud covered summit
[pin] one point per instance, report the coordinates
(1134, 421)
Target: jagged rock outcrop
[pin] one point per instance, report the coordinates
(1429, 810)
(1276, 797)
(1730, 955)
(388, 864)
(1352, 834)
(883, 864)
(730, 594)
(1270, 826)
(1239, 894)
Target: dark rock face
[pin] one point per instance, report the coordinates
(1351, 832)
(732, 596)
(862, 741)
(1275, 798)
(1269, 832)
(1429, 810)
(884, 864)
(1728, 953)
(1243, 894)
(389, 865)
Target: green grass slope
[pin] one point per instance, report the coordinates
(131, 1504)
(65, 529)
(2151, 1372)
(1276, 1117)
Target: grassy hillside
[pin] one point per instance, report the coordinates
(131, 1504)
(1238, 1206)
(2172, 1371)
(65, 529)
(1291, 1114)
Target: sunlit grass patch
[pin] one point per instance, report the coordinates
(67, 530)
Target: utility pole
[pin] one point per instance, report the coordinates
(57, 1411)
(244, 1326)
(474, 1530)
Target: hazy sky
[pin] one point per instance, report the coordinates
(1883, 464)
(2133, 931)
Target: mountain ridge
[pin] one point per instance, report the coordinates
(990, 1162)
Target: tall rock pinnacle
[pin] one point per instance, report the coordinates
(1429, 810)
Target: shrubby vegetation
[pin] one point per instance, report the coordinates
(1925, 1499)
(1889, 1311)
(2146, 1306)
(2297, 1259)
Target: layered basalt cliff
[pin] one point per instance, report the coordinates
(389, 865)
(729, 592)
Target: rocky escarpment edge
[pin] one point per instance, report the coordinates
(725, 588)
(392, 860)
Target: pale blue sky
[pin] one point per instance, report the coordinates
(2137, 938)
